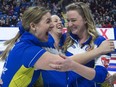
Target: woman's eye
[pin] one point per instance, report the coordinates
(49, 21)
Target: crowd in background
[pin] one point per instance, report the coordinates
(104, 11)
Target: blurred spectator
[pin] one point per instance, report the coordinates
(2, 22)
(109, 25)
(104, 11)
(14, 21)
(104, 25)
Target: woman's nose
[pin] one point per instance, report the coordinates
(51, 25)
(69, 23)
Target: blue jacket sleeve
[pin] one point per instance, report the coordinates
(101, 74)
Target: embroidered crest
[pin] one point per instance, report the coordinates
(105, 61)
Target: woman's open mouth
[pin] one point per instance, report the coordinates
(59, 26)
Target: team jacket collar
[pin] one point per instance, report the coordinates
(30, 37)
(76, 39)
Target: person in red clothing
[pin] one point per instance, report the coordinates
(104, 25)
(109, 25)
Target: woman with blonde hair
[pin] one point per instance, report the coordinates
(82, 37)
(25, 55)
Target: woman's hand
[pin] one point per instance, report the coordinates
(65, 65)
(106, 46)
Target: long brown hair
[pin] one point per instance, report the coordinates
(84, 10)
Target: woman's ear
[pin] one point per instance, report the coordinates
(32, 26)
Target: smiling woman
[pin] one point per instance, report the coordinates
(25, 56)
(24, 53)
(56, 31)
(83, 37)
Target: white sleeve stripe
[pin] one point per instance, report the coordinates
(34, 57)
